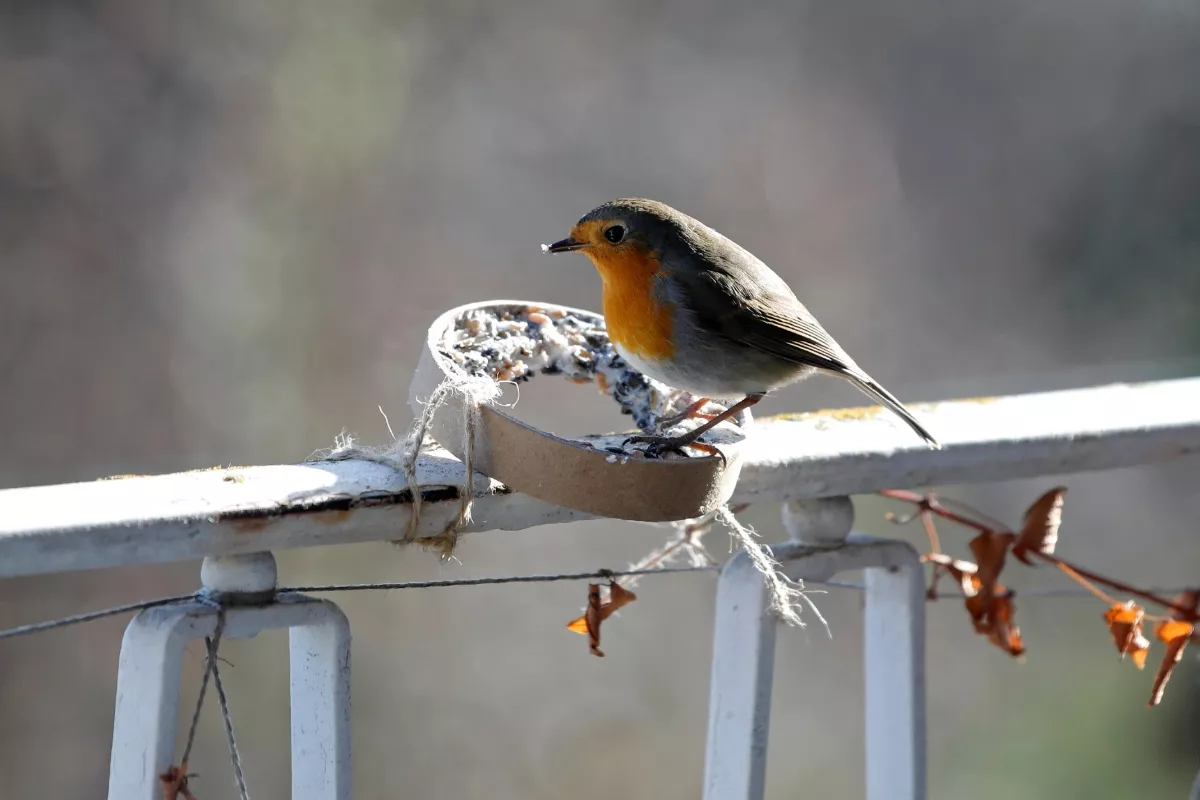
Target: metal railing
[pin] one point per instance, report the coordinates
(234, 518)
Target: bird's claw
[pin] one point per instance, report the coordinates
(658, 447)
(661, 445)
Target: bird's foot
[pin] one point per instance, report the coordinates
(691, 412)
(670, 422)
(710, 450)
(661, 445)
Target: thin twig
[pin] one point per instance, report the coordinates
(935, 543)
(1095, 591)
(930, 503)
(1188, 614)
(967, 508)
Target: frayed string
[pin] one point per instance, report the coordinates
(784, 591)
(475, 393)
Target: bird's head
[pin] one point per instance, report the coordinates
(624, 235)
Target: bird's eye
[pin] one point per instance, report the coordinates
(614, 233)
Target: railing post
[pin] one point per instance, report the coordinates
(739, 706)
(320, 689)
(147, 710)
(744, 659)
(894, 661)
(243, 588)
(744, 644)
(894, 651)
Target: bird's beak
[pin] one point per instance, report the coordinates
(563, 246)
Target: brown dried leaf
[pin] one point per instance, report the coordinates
(598, 611)
(992, 617)
(989, 549)
(1188, 599)
(175, 783)
(964, 572)
(1004, 634)
(589, 623)
(935, 543)
(1175, 633)
(977, 607)
(1125, 622)
(1039, 534)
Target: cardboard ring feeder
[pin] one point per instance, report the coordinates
(509, 340)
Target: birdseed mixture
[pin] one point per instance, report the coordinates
(517, 342)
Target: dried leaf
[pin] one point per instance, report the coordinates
(977, 607)
(1187, 600)
(1125, 622)
(589, 623)
(598, 611)
(619, 596)
(175, 783)
(992, 616)
(1004, 634)
(964, 572)
(935, 543)
(989, 549)
(1039, 534)
(1175, 633)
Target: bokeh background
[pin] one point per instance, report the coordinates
(224, 227)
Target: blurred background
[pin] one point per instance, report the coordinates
(224, 227)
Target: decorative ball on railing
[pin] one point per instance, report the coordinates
(819, 520)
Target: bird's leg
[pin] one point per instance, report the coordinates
(688, 413)
(667, 444)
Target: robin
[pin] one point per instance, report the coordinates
(694, 310)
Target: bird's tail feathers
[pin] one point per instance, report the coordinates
(868, 385)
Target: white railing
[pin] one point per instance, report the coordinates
(235, 517)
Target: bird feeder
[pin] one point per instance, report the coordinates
(511, 340)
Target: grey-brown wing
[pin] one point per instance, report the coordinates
(759, 310)
(734, 298)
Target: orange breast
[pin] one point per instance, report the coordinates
(638, 322)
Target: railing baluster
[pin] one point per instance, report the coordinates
(152, 654)
(894, 662)
(320, 656)
(147, 710)
(744, 647)
(740, 693)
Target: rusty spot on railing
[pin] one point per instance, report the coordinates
(840, 414)
(333, 508)
(868, 412)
